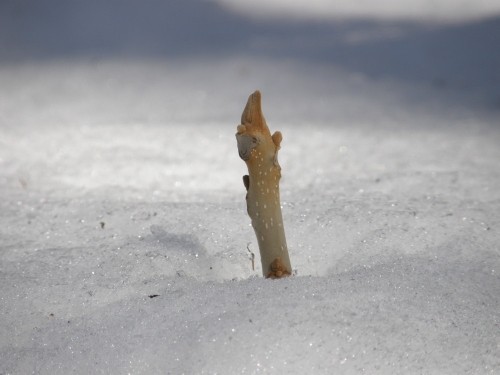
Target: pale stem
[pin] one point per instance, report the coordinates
(259, 150)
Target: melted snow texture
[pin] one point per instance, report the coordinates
(394, 238)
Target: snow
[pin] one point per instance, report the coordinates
(416, 10)
(123, 226)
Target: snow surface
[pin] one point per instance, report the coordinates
(422, 10)
(123, 231)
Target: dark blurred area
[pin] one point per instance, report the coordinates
(61, 29)
(461, 56)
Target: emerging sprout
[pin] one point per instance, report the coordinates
(259, 150)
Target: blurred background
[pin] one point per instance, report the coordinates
(121, 67)
(445, 44)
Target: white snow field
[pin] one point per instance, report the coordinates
(123, 226)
